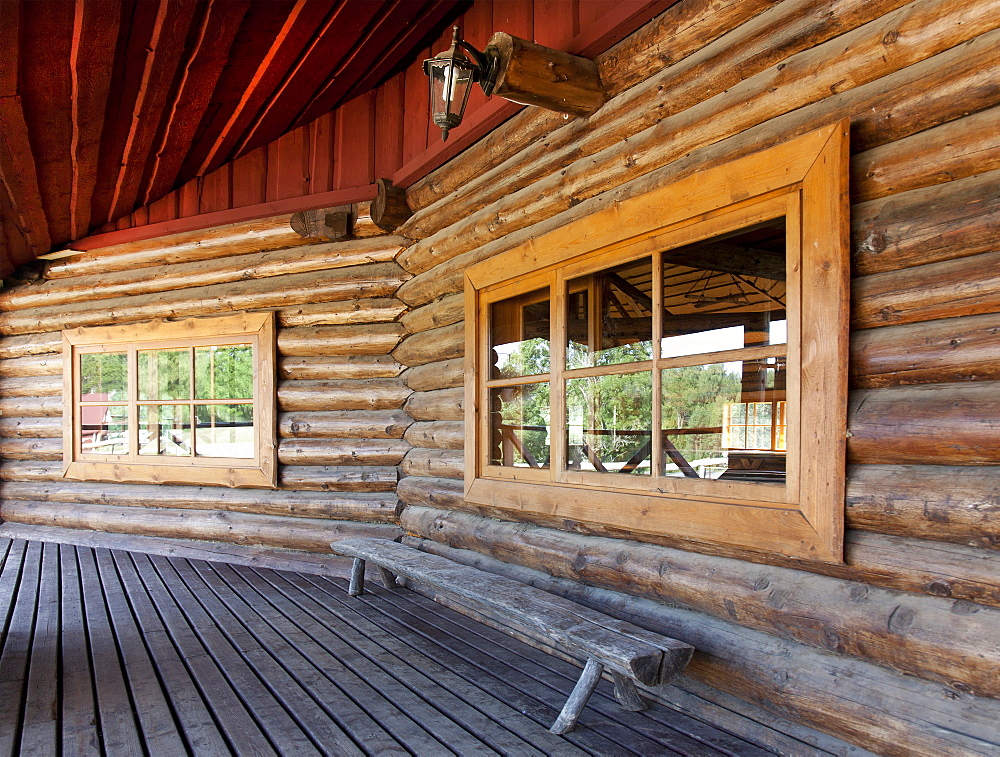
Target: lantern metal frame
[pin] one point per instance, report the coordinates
(482, 68)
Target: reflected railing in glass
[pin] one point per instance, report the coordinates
(609, 423)
(519, 426)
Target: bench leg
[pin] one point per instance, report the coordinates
(388, 577)
(357, 577)
(626, 693)
(589, 679)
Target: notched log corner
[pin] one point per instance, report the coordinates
(389, 209)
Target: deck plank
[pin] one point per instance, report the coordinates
(424, 698)
(119, 729)
(383, 643)
(318, 702)
(79, 727)
(17, 647)
(363, 688)
(283, 731)
(39, 733)
(241, 730)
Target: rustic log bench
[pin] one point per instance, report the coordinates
(630, 653)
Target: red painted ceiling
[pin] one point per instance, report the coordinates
(107, 105)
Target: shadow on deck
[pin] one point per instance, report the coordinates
(118, 652)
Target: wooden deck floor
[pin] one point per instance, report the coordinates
(121, 653)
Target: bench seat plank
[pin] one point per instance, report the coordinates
(647, 657)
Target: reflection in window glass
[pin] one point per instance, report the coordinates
(165, 374)
(519, 426)
(519, 335)
(609, 423)
(620, 299)
(165, 430)
(104, 429)
(224, 430)
(725, 293)
(725, 421)
(103, 377)
(224, 373)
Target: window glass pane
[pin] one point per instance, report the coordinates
(165, 430)
(224, 372)
(165, 374)
(725, 421)
(725, 293)
(104, 429)
(519, 426)
(609, 423)
(103, 377)
(519, 335)
(225, 430)
(610, 316)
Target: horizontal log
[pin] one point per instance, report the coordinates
(344, 424)
(946, 503)
(913, 634)
(366, 394)
(13, 347)
(857, 701)
(31, 386)
(232, 527)
(222, 241)
(180, 275)
(940, 424)
(342, 451)
(955, 150)
(437, 405)
(938, 568)
(323, 341)
(348, 478)
(31, 407)
(437, 463)
(370, 310)
(338, 367)
(649, 138)
(443, 312)
(948, 289)
(786, 34)
(417, 491)
(31, 428)
(432, 346)
(372, 507)
(36, 365)
(954, 349)
(437, 434)
(944, 222)
(34, 470)
(375, 280)
(31, 449)
(444, 375)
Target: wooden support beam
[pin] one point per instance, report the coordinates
(328, 223)
(389, 210)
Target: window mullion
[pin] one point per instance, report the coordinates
(557, 382)
(656, 423)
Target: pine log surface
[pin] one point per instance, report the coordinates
(707, 82)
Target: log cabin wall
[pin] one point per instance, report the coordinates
(339, 395)
(897, 650)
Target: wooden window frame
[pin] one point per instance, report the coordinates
(256, 329)
(805, 181)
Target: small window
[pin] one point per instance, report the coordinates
(183, 401)
(682, 353)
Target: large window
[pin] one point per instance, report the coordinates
(182, 401)
(675, 364)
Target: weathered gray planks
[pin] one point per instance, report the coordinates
(115, 652)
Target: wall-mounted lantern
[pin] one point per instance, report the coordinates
(515, 69)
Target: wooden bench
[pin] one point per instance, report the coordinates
(630, 653)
